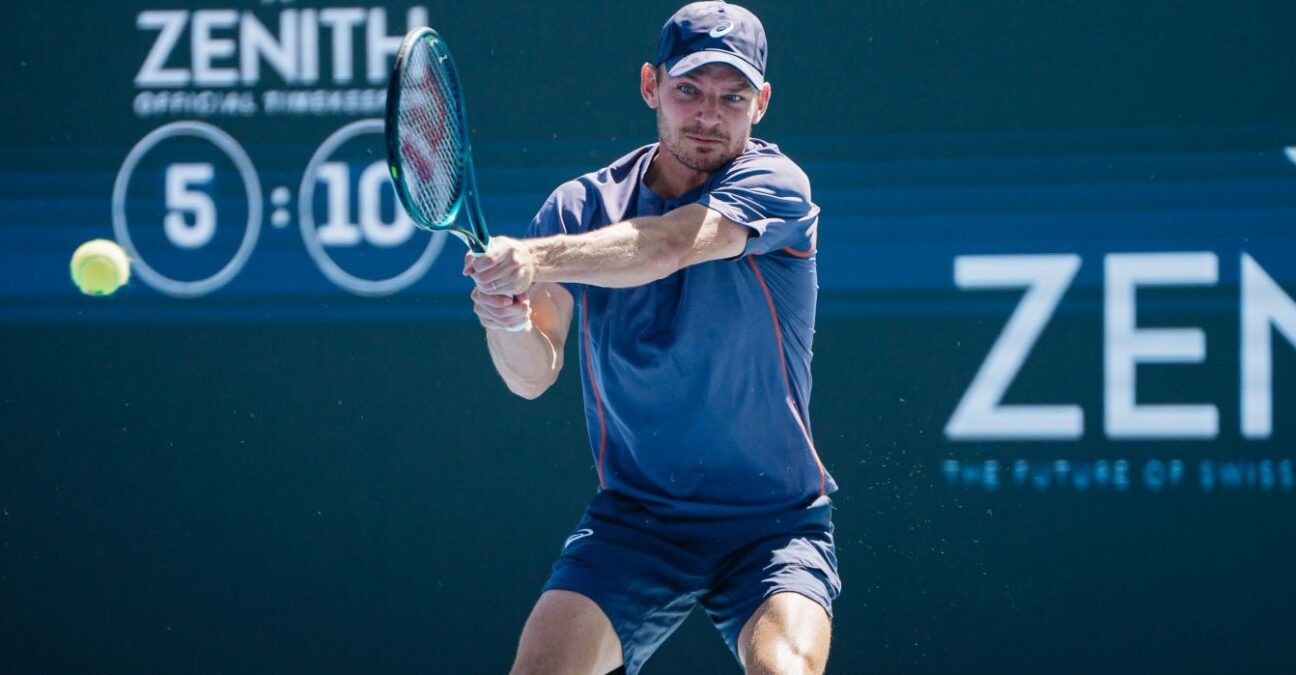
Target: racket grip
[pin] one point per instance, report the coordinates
(516, 329)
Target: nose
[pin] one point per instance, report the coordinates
(708, 111)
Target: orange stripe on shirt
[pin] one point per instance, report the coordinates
(598, 400)
(787, 381)
(814, 244)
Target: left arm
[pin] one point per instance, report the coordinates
(630, 253)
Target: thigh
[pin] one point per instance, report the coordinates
(792, 554)
(626, 561)
(567, 633)
(788, 633)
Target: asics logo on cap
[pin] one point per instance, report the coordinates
(721, 29)
(580, 534)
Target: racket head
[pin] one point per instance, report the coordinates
(428, 153)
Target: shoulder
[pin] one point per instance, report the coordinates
(570, 196)
(762, 163)
(622, 174)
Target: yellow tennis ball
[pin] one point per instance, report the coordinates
(100, 267)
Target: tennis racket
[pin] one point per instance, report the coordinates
(428, 151)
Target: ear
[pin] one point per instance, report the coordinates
(648, 84)
(762, 103)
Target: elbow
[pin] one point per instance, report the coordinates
(671, 254)
(532, 390)
(686, 236)
(529, 390)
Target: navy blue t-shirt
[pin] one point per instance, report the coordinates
(697, 386)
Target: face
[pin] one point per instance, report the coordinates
(705, 116)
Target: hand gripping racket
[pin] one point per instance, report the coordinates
(428, 151)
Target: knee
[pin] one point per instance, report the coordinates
(785, 657)
(781, 640)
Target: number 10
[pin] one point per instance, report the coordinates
(338, 230)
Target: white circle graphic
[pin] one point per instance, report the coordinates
(722, 29)
(306, 219)
(252, 184)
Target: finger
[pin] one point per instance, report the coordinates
(491, 323)
(493, 303)
(489, 299)
(478, 262)
(502, 317)
(510, 314)
(500, 267)
(524, 316)
(497, 280)
(487, 275)
(495, 252)
(524, 311)
(496, 315)
(515, 285)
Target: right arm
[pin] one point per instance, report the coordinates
(528, 361)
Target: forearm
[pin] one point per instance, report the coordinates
(527, 360)
(629, 253)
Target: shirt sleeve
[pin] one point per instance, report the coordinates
(771, 197)
(561, 214)
(548, 220)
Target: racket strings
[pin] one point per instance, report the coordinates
(430, 145)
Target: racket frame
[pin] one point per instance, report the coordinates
(467, 201)
(475, 235)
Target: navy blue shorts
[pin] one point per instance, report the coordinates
(647, 572)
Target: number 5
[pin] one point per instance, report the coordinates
(181, 199)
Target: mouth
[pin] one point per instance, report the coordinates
(703, 141)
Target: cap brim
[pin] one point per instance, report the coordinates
(698, 59)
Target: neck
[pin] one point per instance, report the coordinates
(669, 178)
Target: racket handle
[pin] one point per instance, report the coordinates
(516, 329)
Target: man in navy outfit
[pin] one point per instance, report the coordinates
(692, 263)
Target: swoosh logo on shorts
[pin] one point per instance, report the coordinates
(580, 534)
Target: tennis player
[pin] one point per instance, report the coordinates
(693, 263)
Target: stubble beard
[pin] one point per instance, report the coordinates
(675, 145)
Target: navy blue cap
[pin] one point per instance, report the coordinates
(714, 32)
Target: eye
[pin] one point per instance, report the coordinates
(687, 89)
(735, 98)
